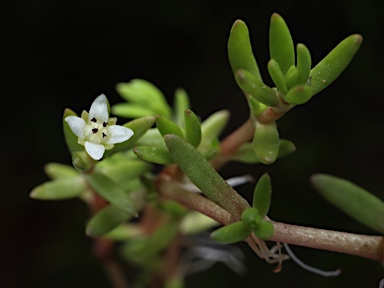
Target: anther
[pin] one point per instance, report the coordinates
(94, 130)
(93, 119)
(104, 135)
(105, 124)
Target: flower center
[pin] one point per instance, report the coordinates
(96, 131)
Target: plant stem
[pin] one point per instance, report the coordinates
(232, 142)
(366, 246)
(354, 244)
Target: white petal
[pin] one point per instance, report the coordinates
(96, 151)
(99, 109)
(77, 125)
(118, 134)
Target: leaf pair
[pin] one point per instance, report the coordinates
(252, 219)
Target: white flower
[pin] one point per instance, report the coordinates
(96, 131)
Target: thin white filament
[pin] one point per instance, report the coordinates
(310, 268)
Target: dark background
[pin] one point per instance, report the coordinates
(59, 54)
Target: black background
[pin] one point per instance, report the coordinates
(59, 54)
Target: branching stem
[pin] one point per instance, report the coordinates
(366, 246)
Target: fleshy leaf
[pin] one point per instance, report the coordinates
(262, 195)
(231, 233)
(145, 94)
(157, 155)
(304, 63)
(70, 137)
(266, 142)
(292, 77)
(328, 69)
(277, 75)
(105, 220)
(111, 192)
(131, 110)
(280, 43)
(246, 153)
(59, 189)
(265, 230)
(353, 200)
(299, 95)
(251, 218)
(192, 128)
(195, 222)
(252, 86)
(166, 126)
(139, 127)
(210, 131)
(240, 51)
(203, 175)
(82, 161)
(181, 104)
(123, 170)
(57, 171)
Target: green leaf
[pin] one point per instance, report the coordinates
(166, 126)
(266, 142)
(157, 155)
(231, 233)
(146, 94)
(328, 69)
(123, 170)
(262, 195)
(130, 110)
(195, 222)
(286, 147)
(111, 192)
(82, 161)
(70, 137)
(246, 153)
(139, 127)
(353, 200)
(105, 220)
(192, 128)
(252, 86)
(251, 218)
(299, 95)
(181, 104)
(210, 131)
(265, 230)
(256, 107)
(280, 43)
(304, 63)
(59, 189)
(292, 77)
(57, 171)
(240, 51)
(202, 174)
(277, 75)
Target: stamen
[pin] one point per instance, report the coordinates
(93, 119)
(94, 130)
(104, 135)
(105, 124)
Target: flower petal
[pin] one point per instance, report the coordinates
(99, 109)
(77, 125)
(96, 151)
(118, 134)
